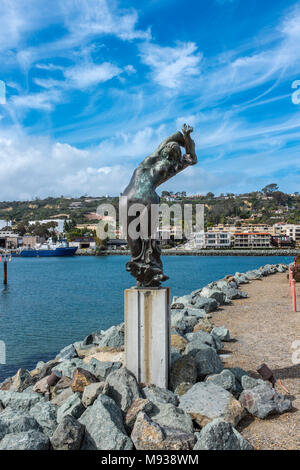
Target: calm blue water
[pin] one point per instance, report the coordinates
(52, 302)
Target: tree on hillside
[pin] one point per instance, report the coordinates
(270, 188)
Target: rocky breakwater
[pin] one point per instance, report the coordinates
(98, 404)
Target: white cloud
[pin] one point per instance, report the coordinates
(44, 101)
(32, 167)
(172, 66)
(83, 76)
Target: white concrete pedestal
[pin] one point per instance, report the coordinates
(147, 334)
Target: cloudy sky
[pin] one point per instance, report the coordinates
(92, 86)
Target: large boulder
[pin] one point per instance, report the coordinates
(159, 395)
(140, 404)
(240, 278)
(263, 400)
(221, 435)
(82, 378)
(26, 440)
(69, 352)
(91, 392)
(201, 337)
(113, 337)
(102, 369)
(19, 401)
(214, 293)
(205, 303)
(61, 397)
(254, 274)
(248, 382)
(21, 381)
(204, 324)
(225, 379)
(71, 406)
(122, 387)
(207, 360)
(104, 426)
(185, 300)
(166, 414)
(149, 435)
(68, 367)
(45, 414)
(13, 421)
(206, 401)
(68, 435)
(221, 333)
(178, 342)
(184, 369)
(182, 322)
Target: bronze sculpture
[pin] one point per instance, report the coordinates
(164, 163)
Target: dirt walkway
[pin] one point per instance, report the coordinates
(264, 328)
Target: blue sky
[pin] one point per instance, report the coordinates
(93, 86)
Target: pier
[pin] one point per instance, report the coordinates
(267, 331)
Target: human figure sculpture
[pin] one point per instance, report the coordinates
(164, 163)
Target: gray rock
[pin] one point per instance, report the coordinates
(281, 268)
(27, 440)
(91, 392)
(68, 434)
(45, 414)
(196, 312)
(221, 333)
(248, 382)
(206, 401)
(221, 435)
(149, 435)
(184, 369)
(13, 421)
(185, 300)
(93, 338)
(214, 293)
(240, 278)
(104, 426)
(69, 352)
(200, 338)
(102, 369)
(182, 322)
(21, 381)
(122, 387)
(40, 364)
(254, 274)
(166, 414)
(113, 337)
(205, 303)
(20, 401)
(72, 406)
(225, 379)
(159, 395)
(175, 355)
(61, 397)
(68, 367)
(207, 360)
(263, 400)
(238, 372)
(182, 388)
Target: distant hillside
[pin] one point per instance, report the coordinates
(266, 206)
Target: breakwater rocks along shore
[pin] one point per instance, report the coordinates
(94, 402)
(218, 252)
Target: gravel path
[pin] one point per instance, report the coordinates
(264, 327)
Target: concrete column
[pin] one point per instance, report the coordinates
(147, 334)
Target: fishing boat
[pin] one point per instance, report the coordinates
(49, 248)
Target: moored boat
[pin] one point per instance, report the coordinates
(49, 248)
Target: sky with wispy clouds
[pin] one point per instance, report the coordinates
(93, 86)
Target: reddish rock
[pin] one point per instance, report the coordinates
(82, 378)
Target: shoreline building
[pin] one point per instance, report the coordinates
(252, 240)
